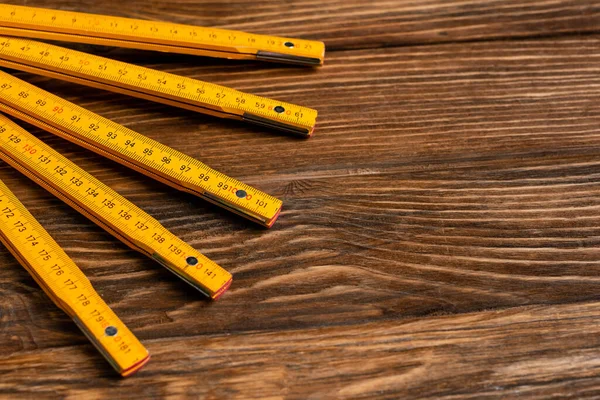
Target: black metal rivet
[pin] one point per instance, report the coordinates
(279, 109)
(191, 260)
(110, 331)
(241, 193)
(289, 44)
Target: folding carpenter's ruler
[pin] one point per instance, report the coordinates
(153, 35)
(104, 73)
(28, 241)
(107, 138)
(58, 275)
(108, 209)
(66, 285)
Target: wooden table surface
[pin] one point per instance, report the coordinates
(440, 236)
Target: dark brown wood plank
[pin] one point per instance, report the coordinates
(464, 179)
(366, 24)
(533, 352)
(444, 179)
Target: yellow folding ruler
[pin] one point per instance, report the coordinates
(107, 138)
(95, 200)
(66, 285)
(104, 73)
(153, 35)
(58, 275)
(108, 209)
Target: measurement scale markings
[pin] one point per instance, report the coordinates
(190, 94)
(66, 285)
(132, 149)
(154, 35)
(119, 217)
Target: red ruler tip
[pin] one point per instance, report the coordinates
(222, 290)
(272, 220)
(135, 367)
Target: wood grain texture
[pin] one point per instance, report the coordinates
(440, 232)
(534, 352)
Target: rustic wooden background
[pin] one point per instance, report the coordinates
(440, 234)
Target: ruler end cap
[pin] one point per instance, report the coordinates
(136, 367)
(271, 222)
(222, 290)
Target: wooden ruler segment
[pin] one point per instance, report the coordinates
(153, 35)
(108, 209)
(107, 138)
(104, 73)
(66, 285)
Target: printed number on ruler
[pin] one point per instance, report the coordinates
(154, 35)
(88, 69)
(151, 157)
(68, 287)
(96, 200)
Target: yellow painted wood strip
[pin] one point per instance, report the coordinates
(108, 209)
(64, 282)
(100, 72)
(79, 125)
(154, 35)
